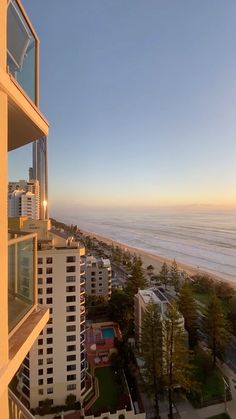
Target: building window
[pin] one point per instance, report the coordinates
(49, 330)
(49, 300)
(70, 269)
(69, 309)
(50, 390)
(49, 260)
(50, 380)
(40, 301)
(40, 392)
(71, 338)
(70, 259)
(40, 382)
(71, 358)
(40, 281)
(71, 387)
(40, 341)
(71, 278)
(40, 291)
(40, 361)
(40, 261)
(71, 348)
(40, 372)
(71, 328)
(49, 290)
(70, 298)
(49, 341)
(40, 271)
(49, 280)
(49, 361)
(40, 351)
(50, 370)
(49, 351)
(70, 318)
(71, 367)
(48, 271)
(71, 377)
(71, 288)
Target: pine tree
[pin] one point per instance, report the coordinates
(136, 279)
(174, 275)
(164, 274)
(216, 327)
(176, 357)
(188, 308)
(151, 349)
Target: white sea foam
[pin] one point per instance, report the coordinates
(200, 238)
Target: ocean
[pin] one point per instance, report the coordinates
(202, 238)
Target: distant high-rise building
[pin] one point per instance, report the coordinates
(40, 172)
(98, 277)
(23, 199)
(21, 203)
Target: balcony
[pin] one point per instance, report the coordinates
(16, 409)
(26, 318)
(20, 78)
(21, 277)
(22, 50)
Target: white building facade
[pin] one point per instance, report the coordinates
(56, 365)
(23, 199)
(98, 277)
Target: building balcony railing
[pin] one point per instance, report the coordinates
(82, 290)
(82, 272)
(82, 280)
(16, 409)
(82, 309)
(21, 277)
(22, 50)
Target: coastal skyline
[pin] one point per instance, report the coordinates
(141, 104)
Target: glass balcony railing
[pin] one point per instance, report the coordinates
(22, 48)
(21, 277)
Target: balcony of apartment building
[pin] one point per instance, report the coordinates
(16, 409)
(20, 79)
(82, 290)
(82, 280)
(26, 318)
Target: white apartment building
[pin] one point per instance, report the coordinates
(141, 300)
(23, 199)
(56, 365)
(98, 277)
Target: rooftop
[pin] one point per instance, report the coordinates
(153, 294)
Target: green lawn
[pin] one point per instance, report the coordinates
(111, 388)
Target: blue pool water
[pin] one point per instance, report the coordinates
(108, 332)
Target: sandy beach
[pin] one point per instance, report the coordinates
(155, 260)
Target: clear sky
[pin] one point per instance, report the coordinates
(141, 99)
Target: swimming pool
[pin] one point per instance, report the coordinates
(108, 332)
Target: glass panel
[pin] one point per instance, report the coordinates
(20, 280)
(21, 49)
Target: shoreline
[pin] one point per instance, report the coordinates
(157, 260)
